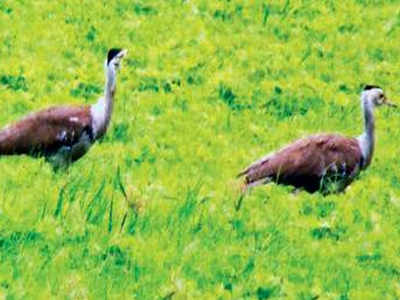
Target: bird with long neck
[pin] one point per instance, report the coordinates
(312, 162)
(371, 97)
(63, 134)
(102, 110)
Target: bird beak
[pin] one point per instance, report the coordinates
(389, 103)
(123, 53)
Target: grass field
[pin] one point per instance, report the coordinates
(207, 88)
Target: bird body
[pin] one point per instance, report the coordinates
(314, 162)
(49, 132)
(307, 162)
(63, 134)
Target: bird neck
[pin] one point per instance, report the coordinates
(367, 139)
(110, 86)
(102, 110)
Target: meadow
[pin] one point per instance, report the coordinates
(207, 88)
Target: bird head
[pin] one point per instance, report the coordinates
(374, 95)
(114, 58)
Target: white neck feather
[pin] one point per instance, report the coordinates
(367, 139)
(102, 110)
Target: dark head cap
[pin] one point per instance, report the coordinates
(112, 53)
(370, 87)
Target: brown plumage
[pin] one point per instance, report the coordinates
(307, 162)
(64, 134)
(53, 128)
(315, 162)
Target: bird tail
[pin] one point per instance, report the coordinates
(3, 141)
(245, 186)
(7, 142)
(257, 173)
(242, 173)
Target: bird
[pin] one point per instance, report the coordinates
(323, 162)
(63, 134)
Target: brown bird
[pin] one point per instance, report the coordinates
(313, 163)
(63, 134)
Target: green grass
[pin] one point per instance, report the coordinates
(207, 88)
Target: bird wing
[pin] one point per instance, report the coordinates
(44, 132)
(307, 158)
